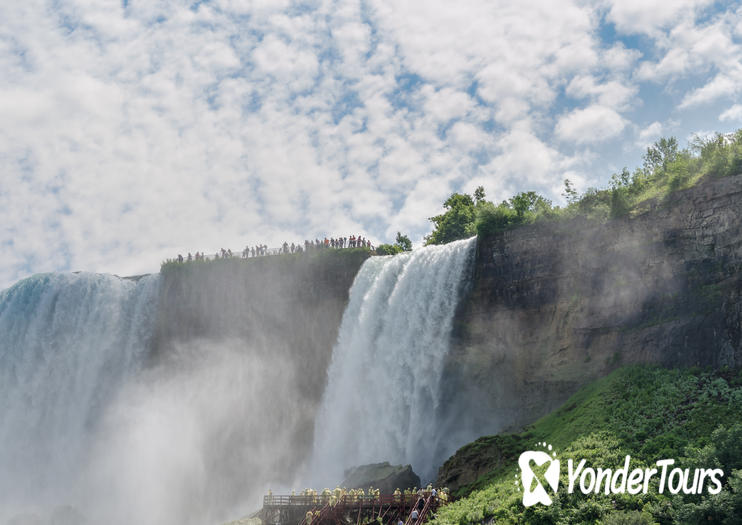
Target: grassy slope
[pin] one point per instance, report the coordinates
(719, 156)
(649, 413)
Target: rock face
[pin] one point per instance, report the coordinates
(556, 305)
(252, 341)
(382, 476)
(283, 306)
(477, 459)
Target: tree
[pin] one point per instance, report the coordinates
(620, 205)
(457, 222)
(479, 194)
(403, 242)
(660, 154)
(529, 201)
(569, 193)
(388, 249)
(621, 180)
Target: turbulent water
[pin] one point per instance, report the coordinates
(67, 342)
(383, 394)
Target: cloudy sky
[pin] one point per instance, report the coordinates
(132, 130)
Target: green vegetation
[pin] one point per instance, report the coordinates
(458, 221)
(648, 413)
(666, 169)
(402, 244)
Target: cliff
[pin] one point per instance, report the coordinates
(383, 476)
(288, 306)
(556, 305)
(250, 342)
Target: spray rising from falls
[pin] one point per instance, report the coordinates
(68, 342)
(382, 396)
(103, 419)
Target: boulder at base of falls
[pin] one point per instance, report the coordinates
(382, 476)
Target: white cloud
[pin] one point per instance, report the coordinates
(446, 104)
(130, 134)
(640, 16)
(517, 54)
(469, 137)
(691, 48)
(734, 114)
(649, 134)
(592, 124)
(619, 58)
(719, 86)
(288, 64)
(612, 94)
(524, 163)
(353, 40)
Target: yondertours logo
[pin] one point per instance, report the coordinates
(534, 490)
(540, 470)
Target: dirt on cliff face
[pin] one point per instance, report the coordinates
(555, 305)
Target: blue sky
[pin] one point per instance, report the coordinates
(133, 131)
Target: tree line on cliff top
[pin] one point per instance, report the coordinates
(666, 168)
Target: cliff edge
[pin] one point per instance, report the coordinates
(556, 305)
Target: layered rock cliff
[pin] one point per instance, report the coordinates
(555, 305)
(287, 306)
(248, 343)
(551, 307)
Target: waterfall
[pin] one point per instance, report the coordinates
(67, 343)
(382, 395)
(88, 422)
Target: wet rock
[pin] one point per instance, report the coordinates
(382, 476)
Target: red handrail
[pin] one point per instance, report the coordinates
(421, 514)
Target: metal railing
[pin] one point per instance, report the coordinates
(346, 500)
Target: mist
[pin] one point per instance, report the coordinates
(175, 398)
(198, 439)
(181, 398)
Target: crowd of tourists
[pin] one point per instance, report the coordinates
(410, 498)
(332, 497)
(261, 250)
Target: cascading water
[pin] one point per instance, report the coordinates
(67, 343)
(94, 429)
(89, 423)
(382, 394)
